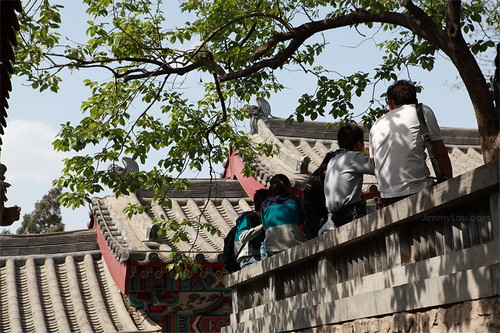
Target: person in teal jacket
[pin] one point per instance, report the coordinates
(249, 232)
(281, 216)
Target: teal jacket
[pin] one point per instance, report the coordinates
(282, 219)
(248, 235)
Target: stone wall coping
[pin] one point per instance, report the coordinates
(458, 189)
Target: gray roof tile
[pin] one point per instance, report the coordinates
(308, 143)
(60, 283)
(226, 202)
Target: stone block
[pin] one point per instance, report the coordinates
(347, 328)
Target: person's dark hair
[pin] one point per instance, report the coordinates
(279, 183)
(402, 92)
(259, 197)
(348, 135)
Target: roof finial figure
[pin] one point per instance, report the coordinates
(8, 215)
(129, 165)
(260, 111)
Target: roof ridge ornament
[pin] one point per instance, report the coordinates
(260, 111)
(8, 215)
(129, 165)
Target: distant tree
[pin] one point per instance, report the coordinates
(46, 217)
(5, 232)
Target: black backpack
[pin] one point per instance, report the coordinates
(313, 199)
(228, 254)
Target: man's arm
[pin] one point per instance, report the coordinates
(438, 147)
(443, 158)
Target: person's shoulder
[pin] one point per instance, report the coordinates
(246, 214)
(379, 121)
(358, 155)
(402, 110)
(429, 115)
(427, 109)
(288, 196)
(406, 112)
(250, 213)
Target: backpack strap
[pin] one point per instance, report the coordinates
(424, 131)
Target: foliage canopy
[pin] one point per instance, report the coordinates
(236, 48)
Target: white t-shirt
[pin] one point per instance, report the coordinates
(397, 149)
(344, 178)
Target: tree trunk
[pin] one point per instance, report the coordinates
(481, 98)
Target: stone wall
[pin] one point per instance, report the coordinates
(437, 248)
(479, 316)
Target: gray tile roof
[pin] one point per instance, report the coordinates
(129, 239)
(59, 283)
(303, 146)
(21, 247)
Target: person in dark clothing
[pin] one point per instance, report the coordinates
(313, 199)
(249, 232)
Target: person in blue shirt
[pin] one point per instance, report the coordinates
(281, 216)
(249, 232)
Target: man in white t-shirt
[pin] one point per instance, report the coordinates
(397, 147)
(344, 178)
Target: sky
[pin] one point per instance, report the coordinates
(34, 118)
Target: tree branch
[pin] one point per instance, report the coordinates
(299, 34)
(206, 61)
(453, 17)
(237, 19)
(221, 119)
(419, 23)
(426, 27)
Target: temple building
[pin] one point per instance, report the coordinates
(112, 276)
